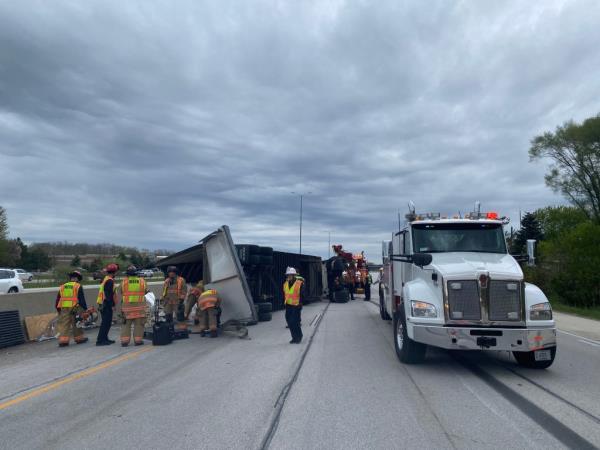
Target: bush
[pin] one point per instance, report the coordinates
(575, 258)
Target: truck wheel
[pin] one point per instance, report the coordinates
(265, 317)
(381, 310)
(527, 359)
(264, 307)
(407, 350)
(13, 290)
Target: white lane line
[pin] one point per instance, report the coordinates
(581, 338)
(589, 343)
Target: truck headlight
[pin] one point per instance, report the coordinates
(540, 311)
(422, 309)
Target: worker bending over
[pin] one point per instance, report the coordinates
(192, 299)
(133, 307)
(174, 290)
(70, 302)
(293, 293)
(208, 305)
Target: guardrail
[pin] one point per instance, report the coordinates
(33, 302)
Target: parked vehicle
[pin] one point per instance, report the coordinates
(98, 275)
(23, 275)
(145, 273)
(451, 283)
(10, 283)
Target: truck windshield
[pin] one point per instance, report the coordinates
(458, 237)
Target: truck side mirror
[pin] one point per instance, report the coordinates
(421, 259)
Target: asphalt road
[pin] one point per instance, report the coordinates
(341, 388)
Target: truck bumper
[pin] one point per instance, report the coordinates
(460, 338)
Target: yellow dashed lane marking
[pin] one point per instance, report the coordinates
(76, 376)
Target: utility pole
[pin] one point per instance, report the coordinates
(301, 194)
(329, 245)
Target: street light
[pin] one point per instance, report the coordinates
(301, 194)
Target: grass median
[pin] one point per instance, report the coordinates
(588, 313)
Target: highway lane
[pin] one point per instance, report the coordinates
(343, 389)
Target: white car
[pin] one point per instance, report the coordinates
(23, 275)
(10, 283)
(145, 273)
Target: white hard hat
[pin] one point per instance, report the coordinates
(290, 271)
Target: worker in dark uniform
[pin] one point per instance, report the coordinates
(107, 300)
(293, 294)
(368, 283)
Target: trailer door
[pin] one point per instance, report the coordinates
(224, 273)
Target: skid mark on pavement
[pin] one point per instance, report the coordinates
(70, 378)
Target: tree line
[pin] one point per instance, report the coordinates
(568, 254)
(41, 256)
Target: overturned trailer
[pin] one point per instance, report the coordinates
(244, 275)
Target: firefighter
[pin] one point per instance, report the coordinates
(293, 292)
(107, 300)
(174, 291)
(70, 302)
(133, 307)
(368, 283)
(208, 305)
(192, 299)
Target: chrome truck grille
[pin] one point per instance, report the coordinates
(463, 300)
(484, 301)
(504, 300)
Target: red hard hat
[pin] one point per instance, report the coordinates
(112, 268)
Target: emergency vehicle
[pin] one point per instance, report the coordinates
(451, 283)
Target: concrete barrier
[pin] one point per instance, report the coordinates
(42, 301)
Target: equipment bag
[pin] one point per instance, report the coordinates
(341, 296)
(161, 334)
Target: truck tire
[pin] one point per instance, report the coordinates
(407, 350)
(264, 307)
(265, 260)
(382, 311)
(254, 249)
(527, 359)
(265, 317)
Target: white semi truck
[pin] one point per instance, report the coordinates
(451, 283)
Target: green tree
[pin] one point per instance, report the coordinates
(3, 237)
(96, 264)
(575, 153)
(574, 260)
(76, 261)
(530, 229)
(555, 221)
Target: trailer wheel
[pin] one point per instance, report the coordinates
(264, 307)
(407, 350)
(265, 317)
(527, 359)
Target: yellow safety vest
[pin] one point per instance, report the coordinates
(69, 295)
(133, 303)
(292, 293)
(175, 291)
(133, 290)
(208, 299)
(100, 298)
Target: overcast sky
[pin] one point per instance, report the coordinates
(151, 123)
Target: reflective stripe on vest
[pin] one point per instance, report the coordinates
(174, 289)
(100, 298)
(133, 290)
(208, 299)
(292, 293)
(69, 295)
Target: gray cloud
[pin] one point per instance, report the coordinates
(151, 123)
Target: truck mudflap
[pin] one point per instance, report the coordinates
(511, 339)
